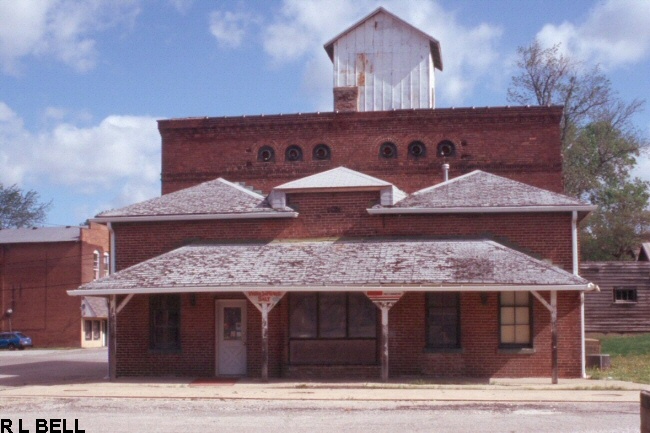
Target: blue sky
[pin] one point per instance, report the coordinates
(82, 82)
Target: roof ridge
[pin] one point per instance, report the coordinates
(240, 188)
(462, 176)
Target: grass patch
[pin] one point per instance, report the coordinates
(630, 356)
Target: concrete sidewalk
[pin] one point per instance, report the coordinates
(501, 390)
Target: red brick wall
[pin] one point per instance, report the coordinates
(547, 235)
(520, 143)
(34, 278)
(479, 356)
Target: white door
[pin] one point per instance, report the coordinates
(231, 338)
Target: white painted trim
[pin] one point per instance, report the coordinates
(576, 270)
(194, 217)
(358, 288)
(474, 209)
(574, 241)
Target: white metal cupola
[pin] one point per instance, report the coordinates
(383, 63)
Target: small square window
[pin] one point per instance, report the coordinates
(625, 295)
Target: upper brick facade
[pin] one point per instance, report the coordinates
(521, 143)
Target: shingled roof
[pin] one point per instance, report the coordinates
(94, 306)
(212, 199)
(353, 264)
(40, 234)
(479, 191)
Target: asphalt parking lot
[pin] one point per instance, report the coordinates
(52, 367)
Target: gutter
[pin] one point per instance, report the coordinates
(474, 209)
(197, 217)
(111, 235)
(342, 288)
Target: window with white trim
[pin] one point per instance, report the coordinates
(107, 264)
(515, 320)
(95, 264)
(625, 295)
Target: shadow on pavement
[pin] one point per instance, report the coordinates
(53, 373)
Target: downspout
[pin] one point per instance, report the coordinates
(111, 235)
(576, 269)
(112, 313)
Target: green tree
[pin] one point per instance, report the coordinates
(600, 145)
(21, 209)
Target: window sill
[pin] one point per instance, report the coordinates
(442, 350)
(516, 350)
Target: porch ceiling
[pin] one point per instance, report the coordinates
(339, 264)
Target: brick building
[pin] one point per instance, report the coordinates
(387, 238)
(37, 266)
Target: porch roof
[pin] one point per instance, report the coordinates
(339, 264)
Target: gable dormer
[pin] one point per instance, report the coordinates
(340, 179)
(383, 63)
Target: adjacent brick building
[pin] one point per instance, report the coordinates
(386, 238)
(37, 266)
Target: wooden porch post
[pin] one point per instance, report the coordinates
(264, 302)
(265, 308)
(384, 301)
(384, 341)
(112, 337)
(554, 352)
(552, 308)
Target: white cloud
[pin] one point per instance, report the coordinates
(302, 27)
(62, 29)
(615, 32)
(117, 158)
(229, 28)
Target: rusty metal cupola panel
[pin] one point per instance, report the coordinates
(383, 63)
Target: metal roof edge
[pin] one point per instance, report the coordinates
(195, 217)
(501, 209)
(342, 288)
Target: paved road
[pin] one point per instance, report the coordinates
(69, 384)
(160, 415)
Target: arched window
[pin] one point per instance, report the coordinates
(266, 154)
(388, 150)
(293, 153)
(322, 152)
(417, 149)
(446, 149)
